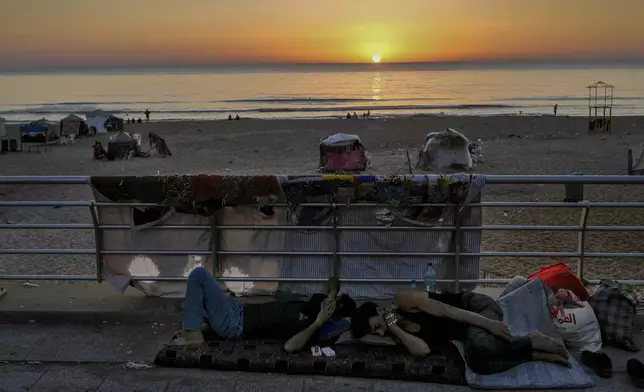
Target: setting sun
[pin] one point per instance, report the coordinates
(375, 59)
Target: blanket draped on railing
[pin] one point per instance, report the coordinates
(244, 200)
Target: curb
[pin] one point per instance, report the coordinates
(53, 317)
(145, 364)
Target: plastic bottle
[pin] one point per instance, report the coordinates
(429, 278)
(413, 284)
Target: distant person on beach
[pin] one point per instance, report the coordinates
(355, 115)
(348, 116)
(139, 120)
(230, 117)
(368, 113)
(147, 115)
(237, 117)
(555, 109)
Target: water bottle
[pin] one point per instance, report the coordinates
(430, 278)
(413, 284)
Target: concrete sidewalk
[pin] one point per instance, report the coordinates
(48, 344)
(114, 378)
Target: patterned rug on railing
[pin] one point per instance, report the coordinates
(204, 194)
(349, 361)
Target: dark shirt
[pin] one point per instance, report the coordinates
(275, 320)
(438, 330)
(284, 319)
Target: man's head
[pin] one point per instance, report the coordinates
(367, 319)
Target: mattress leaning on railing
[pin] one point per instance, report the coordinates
(216, 203)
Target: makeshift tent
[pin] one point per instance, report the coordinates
(35, 132)
(121, 145)
(342, 152)
(444, 151)
(97, 119)
(3, 129)
(73, 125)
(114, 123)
(636, 159)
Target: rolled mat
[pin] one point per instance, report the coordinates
(445, 366)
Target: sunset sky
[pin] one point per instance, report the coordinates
(166, 32)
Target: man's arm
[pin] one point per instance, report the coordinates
(414, 345)
(297, 342)
(417, 300)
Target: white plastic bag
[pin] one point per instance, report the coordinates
(579, 328)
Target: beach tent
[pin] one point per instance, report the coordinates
(3, 128)
(114, 123)
(445, 150)
(97, 119)
(73, 125)
(342, 152)
(121, 144)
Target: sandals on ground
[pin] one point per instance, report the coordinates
(635, 369)
(599, 362)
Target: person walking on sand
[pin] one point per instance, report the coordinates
(147, 115)
(555, 109)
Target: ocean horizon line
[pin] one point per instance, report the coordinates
(321, 66)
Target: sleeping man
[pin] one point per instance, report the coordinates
(423, 320)
(297, 321)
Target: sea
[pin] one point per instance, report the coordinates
(322, 91)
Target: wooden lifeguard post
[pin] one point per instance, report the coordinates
(600, 106)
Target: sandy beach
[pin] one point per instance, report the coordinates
(512, 145)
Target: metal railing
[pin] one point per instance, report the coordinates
(214, 252)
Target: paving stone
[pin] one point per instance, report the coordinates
(190, 380)
(70, 378)
(148, 380)
(18, 378)
(85, 343)
(261, 382)
(17, 342)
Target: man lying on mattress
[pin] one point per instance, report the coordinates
(424, 320)
(297, 321)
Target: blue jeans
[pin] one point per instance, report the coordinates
(205, 299)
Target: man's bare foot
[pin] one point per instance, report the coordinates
(541, 342)
(550, 357)
(332, 287)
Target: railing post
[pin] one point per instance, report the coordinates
(581, 241)
(457, 247)
(336, 240)
(214, 244)
(98, 240)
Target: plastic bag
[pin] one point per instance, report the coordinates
(578, 327)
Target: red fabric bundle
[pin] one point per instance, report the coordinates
(560, 276)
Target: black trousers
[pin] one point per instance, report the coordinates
(486, 353)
